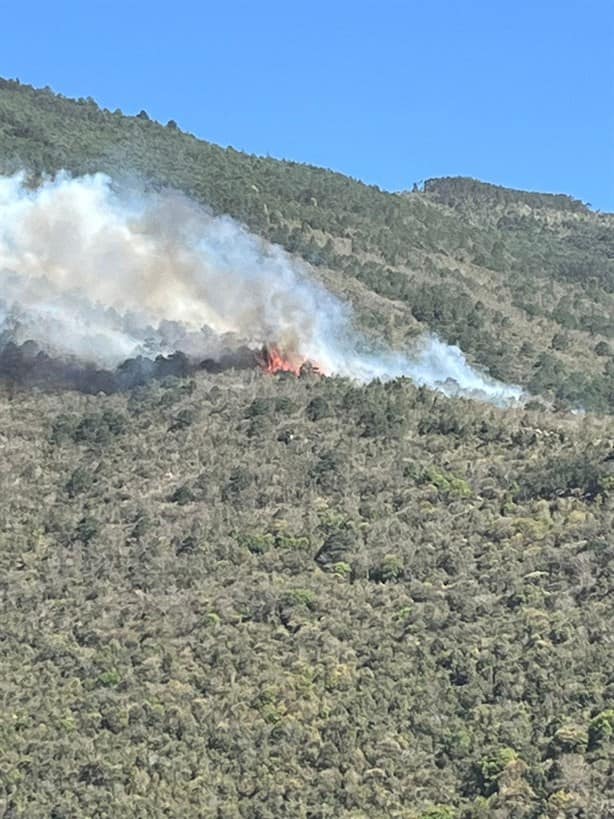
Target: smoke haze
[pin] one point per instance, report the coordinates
(101, 274)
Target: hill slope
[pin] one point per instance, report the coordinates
(245, 596)
(236, 595)
(524, 283)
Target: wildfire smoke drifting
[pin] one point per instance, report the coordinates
(98, 275)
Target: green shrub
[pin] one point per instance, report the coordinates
(390, 569)
(570, 739)
(601, 728)
(257, 544)
(491, 767)
(80, 481)
(317, 408)
(87, 529)
(439, 812)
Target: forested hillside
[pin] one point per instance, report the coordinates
(269, 597)
(524, 283)
(248, 596)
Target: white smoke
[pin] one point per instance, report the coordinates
(92, 271)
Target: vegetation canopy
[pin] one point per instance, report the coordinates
(244, 594)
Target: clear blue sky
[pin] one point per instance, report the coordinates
(518, 93)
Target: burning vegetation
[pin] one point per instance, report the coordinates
(30, 366)
(273, 360)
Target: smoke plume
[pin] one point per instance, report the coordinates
(94, 274)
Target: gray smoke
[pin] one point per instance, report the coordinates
(101, 274)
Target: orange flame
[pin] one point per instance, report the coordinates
(272, 360)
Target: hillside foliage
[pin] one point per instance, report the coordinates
(242, 596)
(251, 596)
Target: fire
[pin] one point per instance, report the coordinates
(272, 360)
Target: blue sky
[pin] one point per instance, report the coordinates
(516, 93)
